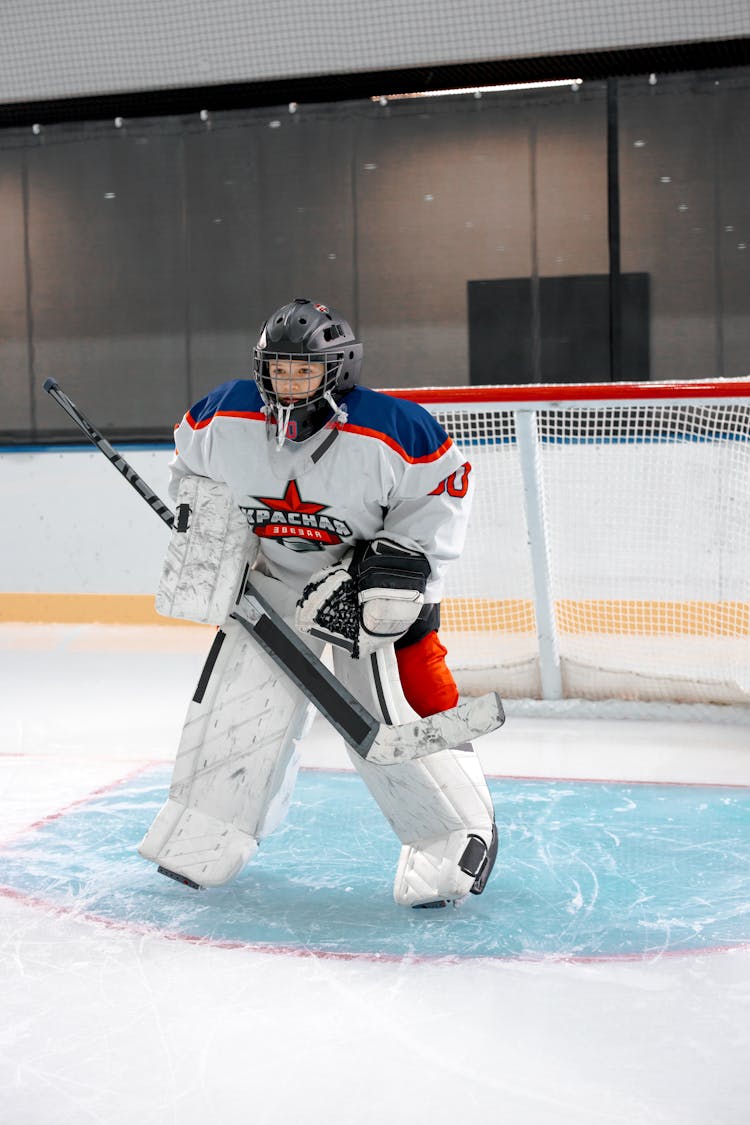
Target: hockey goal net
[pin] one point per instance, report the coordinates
(608, 555)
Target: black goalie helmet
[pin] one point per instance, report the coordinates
(306, 360)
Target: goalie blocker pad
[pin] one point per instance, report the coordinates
(391, 581)
(209, 553)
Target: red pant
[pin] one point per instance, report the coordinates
(426, 679)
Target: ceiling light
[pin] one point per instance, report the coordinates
(477, 90)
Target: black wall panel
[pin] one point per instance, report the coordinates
(16, 412)
(570, 316)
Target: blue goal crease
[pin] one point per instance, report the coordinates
(584, 869)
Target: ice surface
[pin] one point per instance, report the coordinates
(117, 1016)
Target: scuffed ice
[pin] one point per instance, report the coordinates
(561, 888)
(112, 1013)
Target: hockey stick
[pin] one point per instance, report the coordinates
(131, 476)
(372, 740)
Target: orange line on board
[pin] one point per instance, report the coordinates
(619, 617)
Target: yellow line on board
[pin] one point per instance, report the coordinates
(461, 615)
(104, 609)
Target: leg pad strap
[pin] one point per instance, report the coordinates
(478, 860)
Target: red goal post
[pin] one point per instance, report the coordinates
(608, 555)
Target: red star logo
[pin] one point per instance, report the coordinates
(291, 501)
(295, 523)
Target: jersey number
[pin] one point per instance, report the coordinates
(457, 483)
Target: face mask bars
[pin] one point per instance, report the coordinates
(290, 389)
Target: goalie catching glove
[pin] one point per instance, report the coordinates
(367, 601)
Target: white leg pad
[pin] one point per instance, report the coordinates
(192, 843)
(237, 744)
(236, 764)
(430, 797)
(434, 804)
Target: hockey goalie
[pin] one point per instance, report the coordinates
(346, 505)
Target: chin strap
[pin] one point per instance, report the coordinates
(283, 415)
(280, 414)
(339, 411)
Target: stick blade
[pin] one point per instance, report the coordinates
(469, 720)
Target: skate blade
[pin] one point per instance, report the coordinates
(179, 878)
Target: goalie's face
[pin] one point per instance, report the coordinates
(295, 380)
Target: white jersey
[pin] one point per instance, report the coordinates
(388, 468)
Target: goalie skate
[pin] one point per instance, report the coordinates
(444, 871)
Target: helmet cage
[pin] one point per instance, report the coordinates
(304, 385)
(303, 333)
(300, 412)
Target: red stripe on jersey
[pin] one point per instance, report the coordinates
(253, 415)
(348, 428)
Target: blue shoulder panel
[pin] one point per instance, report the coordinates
(402, 421)
(240, 396)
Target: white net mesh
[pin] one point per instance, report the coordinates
(643, 559)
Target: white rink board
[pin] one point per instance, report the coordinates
(73, 525)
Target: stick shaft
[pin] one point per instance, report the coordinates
(335, 702)
(114, 458)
